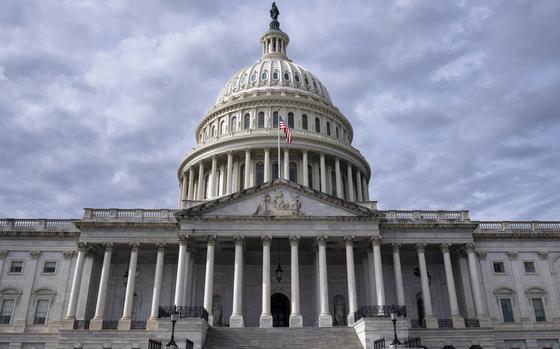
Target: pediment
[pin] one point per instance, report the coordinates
(279, 198)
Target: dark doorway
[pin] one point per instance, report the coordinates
(280, 308)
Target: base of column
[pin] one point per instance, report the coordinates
(485, 321)
(458, 321)
(350, 320)
(124, 325)
(96, 324)
(152, 324)
(236, 320)
(431, 322)
(325, 320)
(296, 320)
(265, 321)
(68, 323)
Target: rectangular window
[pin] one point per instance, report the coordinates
(499, 267)
(529, 267)
(6, 311)
(538, 308)
(49, 267)
(41, 311)
(16, 267)
(507, 309)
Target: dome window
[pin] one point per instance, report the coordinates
(314, 84)
(291, 120)
(244, 79)
(260, 121)
(296, 77)
(275, 75)
(233, 126)
(246, 121)
(336, 132)
(254, 77)
(275, 119)
(328, 128)
(286, 76)
(317, 125)
(306, 81)
(264, 75)
(304, 122)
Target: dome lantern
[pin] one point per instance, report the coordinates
(274, 41)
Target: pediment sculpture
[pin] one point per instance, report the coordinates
(279, 206)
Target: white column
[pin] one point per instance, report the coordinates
(184, 188)
(305, 169)
(359, 192)
(371, 277)
(377, 265)
(267, 167)
(398, 273)
(365, 189)
(190, 193)
(325, 318)
(125, 321)
(75, 290)
(266, 317)
(209, 278)
(286, 164)
(229, 173)
(97, 321)
(154, 310)
(179, 283)
(212, 179)
(350, 189)
(200, 194)
(454, 306)
(475, 280)
(186, 275)
(351, 278)
(247, 182)
(426, 297)
(323, 173)
(338, 178)
(296, 320)
(236, 318)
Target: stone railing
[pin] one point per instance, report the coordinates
(512, 227)
(432, 216)
(9, 224)
(129, 215)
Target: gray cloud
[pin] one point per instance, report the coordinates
(455, 104)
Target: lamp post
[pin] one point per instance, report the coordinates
(174, 314)
(394, 319)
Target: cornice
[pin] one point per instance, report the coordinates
(516, 236)
(428, 225)
(125, 225)
(196, 218)
(30, 234)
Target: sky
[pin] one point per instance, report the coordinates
(455, 104)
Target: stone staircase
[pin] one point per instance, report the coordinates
(282, 337)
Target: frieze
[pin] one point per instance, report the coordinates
(279, 206)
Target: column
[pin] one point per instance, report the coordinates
(338, 179)
(200, 194)
(267, 167)
(365, 189)
(305, 169)
(286, 164)
(458, 321)
(323, 173)
(247, 182)
(75, 290)
(351, 277)
(296, 320)
(186, 275)
(266, 317)
(179, 283)
(209, 278)
(360, 197)
(125, 321)
(431, 322)
(184, 188)
(398, 273)
(229, 172)
(190, 193)
(371, 277)
(350, 189)
(154, 311)
(212, 179)
(97, 321)
(325, 318)
(378, 267)
(236, 318)
(475, 281)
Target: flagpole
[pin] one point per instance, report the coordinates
(278, 146)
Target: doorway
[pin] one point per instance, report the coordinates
(280, 308)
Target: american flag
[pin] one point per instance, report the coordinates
(287, 131)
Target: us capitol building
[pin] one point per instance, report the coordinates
(254, 260)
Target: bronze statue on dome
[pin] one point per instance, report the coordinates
(274, 12)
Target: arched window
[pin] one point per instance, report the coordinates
(291, 120)
(242, 177)
(8, 300)
(293, 172)
(328, 128)
(537, 298)
(259, 171)
(317, 125)
(246, 121)
(233, 126)
(304, 122)
(213, 131)
(275, 119)
(223, 127)
(336, 129)
(260, 123)
(274, 169)
(42, 299)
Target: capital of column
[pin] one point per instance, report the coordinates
(211, 240)
(161, 246)
(375, 240)
(3, 254)
(134, 246)
(294, 240)
(82, 246)
(543, 255)
(109, 246)
(322, 240)
(68, 254)
(445, 247)
(266, 239)
(512, 255)
(396, 247)
(238, 239)
(35, 254)
(349, 240)
(421, 247)
(184, 240)
(481, 255)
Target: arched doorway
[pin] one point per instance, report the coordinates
(280, 308)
